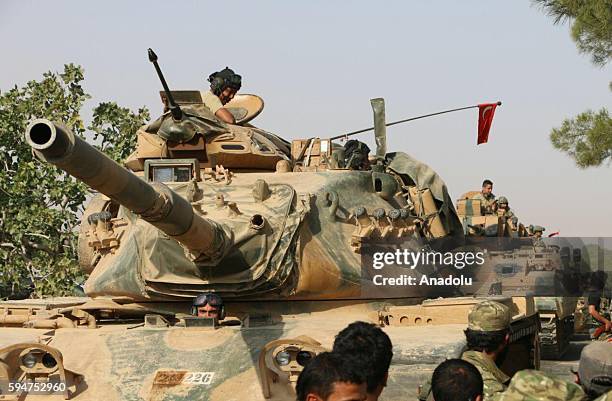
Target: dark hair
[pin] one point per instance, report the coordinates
(456, 379)
(371, 346)
(487, 182)
(485, 341)
(323, 371)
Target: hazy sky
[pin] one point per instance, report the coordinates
(317, 64)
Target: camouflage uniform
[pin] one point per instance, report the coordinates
(538, 242)
(488, 316)
(487, 203)
(534, 385)
(485, 316)
(508, 213)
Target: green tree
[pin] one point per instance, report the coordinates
(591, 24)
(587, 138)
(39, 204)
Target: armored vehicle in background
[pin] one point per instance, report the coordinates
(525, 265)
(276, 228)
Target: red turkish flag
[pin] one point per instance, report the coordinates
(485, 119)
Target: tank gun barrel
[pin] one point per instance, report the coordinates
(154, 202)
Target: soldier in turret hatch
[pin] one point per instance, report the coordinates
(208, 305)
(224, 85)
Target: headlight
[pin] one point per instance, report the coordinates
(303, 357)
(49, 361)
(283, 358)
(29, 360)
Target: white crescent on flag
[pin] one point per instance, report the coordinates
(484, 111)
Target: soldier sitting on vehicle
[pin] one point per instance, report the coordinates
(373, 351)
(223, 87)
(503, 210)
(456, 379)
(208, 305)
(486, 198)
(487, 337)
(537, 232)
(331, 376)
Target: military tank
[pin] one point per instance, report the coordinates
(277, 229)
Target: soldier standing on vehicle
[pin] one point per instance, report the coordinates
(224, 85)
(486, 198)
(487, 337)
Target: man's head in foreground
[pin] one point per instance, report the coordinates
(373, 350)
(595, 368)
(488, 327)
(331, 377)
(456, 380)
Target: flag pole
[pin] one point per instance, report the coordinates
(405, 120)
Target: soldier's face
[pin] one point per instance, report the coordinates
(487, 189)
(227, 95)
(208, 311)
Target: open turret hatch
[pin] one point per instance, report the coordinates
(244, 107)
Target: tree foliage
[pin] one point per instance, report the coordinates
(587, 138)
(591, 24)
(40, 205)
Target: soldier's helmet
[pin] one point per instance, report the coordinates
(595, 367)
(502, 200)
(537, 229)
(535, 385)
(489, 316)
